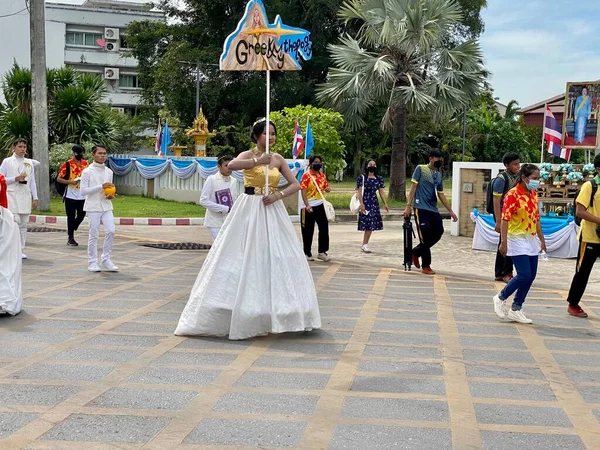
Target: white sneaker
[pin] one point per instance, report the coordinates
(310, 258)
(94, 267)
(518, 316)
(23, 256)
(323, 257)
(109, 266)
(365, 248)
(499, 306)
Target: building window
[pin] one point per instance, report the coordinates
(123, 41)
(129, 81)
(82, 39)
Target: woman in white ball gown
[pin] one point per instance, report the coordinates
(255, 279)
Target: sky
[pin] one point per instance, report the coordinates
(534, 47)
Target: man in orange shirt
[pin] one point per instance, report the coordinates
(73, 199)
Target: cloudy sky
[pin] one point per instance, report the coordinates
(534, 47)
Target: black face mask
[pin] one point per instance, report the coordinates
(78, 156)
(437, 164)
(372, 169)
(317, 167)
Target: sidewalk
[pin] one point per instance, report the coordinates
(452, 256)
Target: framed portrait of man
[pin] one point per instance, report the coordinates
(580, 120)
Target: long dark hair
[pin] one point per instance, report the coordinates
(366, 172)
(527, 170)
(259, 128)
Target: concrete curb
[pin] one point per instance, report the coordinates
(152, 221)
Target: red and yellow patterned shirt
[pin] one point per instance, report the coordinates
(75, 169)
(521, 211)
(314, 198)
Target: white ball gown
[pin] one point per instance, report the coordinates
(11, 294)
(255, 279)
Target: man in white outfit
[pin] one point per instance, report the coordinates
(218, 195)
(98, 206)
(21, 188)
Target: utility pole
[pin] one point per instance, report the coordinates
(39, 98)
(198, 65)
(197, 88)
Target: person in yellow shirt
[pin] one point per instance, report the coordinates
(588, 209)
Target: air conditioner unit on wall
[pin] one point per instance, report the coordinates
(112, 47)
(111, 73)
(111, 34)
(119, 110)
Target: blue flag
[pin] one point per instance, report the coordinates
(166, 139)
(310, 141)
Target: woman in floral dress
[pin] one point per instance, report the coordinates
(369, 215)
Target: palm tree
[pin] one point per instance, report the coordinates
(75, 109)
(398, 58)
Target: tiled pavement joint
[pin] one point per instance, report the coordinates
(465, 432)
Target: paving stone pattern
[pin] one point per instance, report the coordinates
(402, 361)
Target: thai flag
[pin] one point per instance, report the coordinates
(298, 141)
(158, 139)
(553, 136)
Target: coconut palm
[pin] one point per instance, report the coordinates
(399, 58)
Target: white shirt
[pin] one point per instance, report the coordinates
(215, 212)
(19, 195)
(92, 179)
(522, 246)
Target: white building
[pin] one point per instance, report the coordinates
(88, 37)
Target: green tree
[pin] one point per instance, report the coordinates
(326, 126)
(197, 33)
(75, 109)
(398, 58)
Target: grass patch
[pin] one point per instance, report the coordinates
(137, 206)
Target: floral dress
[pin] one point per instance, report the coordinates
(371, 221)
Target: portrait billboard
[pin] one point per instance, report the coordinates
(580, 119)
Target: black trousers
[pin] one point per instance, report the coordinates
(308, 221)
(586, 257)
(504, 264)
(75, 214)
(431, 229)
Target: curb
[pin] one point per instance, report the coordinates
(151, 221)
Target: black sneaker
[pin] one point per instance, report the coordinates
(72, 242)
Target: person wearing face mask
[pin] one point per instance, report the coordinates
(11, 294)
(314, 211)
(70, 174)
(369, 217)
(21, 188)
(218, 196)
(520, 231)
(427, 186)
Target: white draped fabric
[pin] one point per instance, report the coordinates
(11, 295)
(150, 168)
(560, 241)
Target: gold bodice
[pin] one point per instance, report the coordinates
(255, 177)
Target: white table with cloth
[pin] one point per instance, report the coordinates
(560, 234)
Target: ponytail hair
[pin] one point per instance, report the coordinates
(527, 170)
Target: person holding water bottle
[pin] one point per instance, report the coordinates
(520, 230)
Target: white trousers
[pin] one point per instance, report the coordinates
(107, 219)
(214, 231)
(22, 220)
